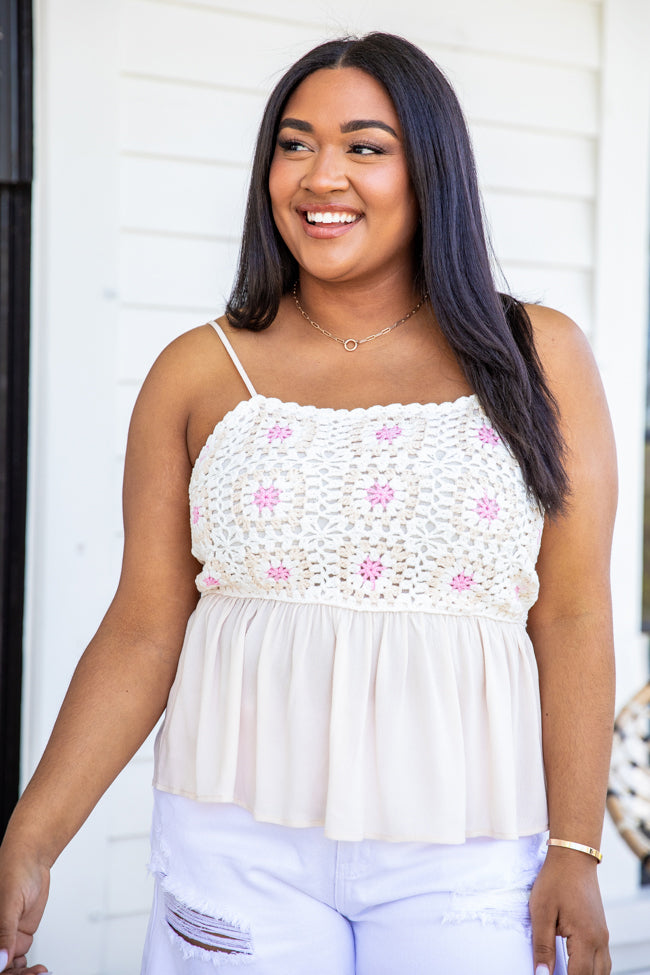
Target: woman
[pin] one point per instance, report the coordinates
(355, 773)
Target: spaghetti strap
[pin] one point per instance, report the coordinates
(234, 358)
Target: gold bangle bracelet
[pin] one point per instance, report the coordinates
(577, 846)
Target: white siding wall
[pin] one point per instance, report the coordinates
(147, 111)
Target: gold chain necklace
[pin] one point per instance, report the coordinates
(351, 344)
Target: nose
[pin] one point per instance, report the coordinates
(326, 172)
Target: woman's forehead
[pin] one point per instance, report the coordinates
(341, 95)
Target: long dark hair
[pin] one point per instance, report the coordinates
(490, 333)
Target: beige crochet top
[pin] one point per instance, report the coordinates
(359, 658)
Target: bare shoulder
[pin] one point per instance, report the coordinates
(191, 386)
(563, 348)
(574, 380)
(194, 370)
(188, 359)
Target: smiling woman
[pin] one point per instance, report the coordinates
(376, 708)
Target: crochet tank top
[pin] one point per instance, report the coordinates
(358, 659)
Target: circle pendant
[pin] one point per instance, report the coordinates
(350, 345)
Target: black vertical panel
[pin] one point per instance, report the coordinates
(15, 247)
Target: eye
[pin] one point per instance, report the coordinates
(292, 145)
(366, 149)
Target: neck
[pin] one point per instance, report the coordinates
(346, 308)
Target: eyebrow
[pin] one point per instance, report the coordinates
(354, 126)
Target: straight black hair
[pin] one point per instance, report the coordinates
(490, 333)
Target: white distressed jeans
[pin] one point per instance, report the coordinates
(234, 894)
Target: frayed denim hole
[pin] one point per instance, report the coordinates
(507, 908)
(199, 935)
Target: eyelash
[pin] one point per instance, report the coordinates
(291, 145)
(369, 145)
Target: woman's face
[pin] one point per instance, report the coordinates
(340, 190)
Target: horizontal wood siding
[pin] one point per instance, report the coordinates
(559, 30)
(162, 195)
(523, 159)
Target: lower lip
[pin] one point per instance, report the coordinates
(326, 230)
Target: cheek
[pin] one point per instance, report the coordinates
(279, 183)
(403, 212)
(281, 193)
(391, 192)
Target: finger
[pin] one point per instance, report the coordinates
(544, 948)
(582, 961)
(19, 966)
(8, 929)
(603, 964)
(22, 945)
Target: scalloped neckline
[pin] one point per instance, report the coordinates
(341, 410)
(445, 407)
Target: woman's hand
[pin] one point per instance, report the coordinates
(24, 886)
(566, 901)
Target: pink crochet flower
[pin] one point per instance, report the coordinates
(380, 494)
(487, 508)
(280, 573)
(461, 582)
(266, 497)
(211, 581)
(487, 436)
(278, 433)
(370, 571)
(388, 433)
(196, 514)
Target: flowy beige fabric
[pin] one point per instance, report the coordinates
(358, 658)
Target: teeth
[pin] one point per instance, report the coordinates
(336, 216)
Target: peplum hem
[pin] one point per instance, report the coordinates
(404, 726)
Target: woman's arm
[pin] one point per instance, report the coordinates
(571, 630)
(121, 684)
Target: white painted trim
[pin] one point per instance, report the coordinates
(620, 335)
(621, 297)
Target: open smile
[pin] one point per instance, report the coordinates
(323, 222)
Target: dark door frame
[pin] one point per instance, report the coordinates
(16, 72)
